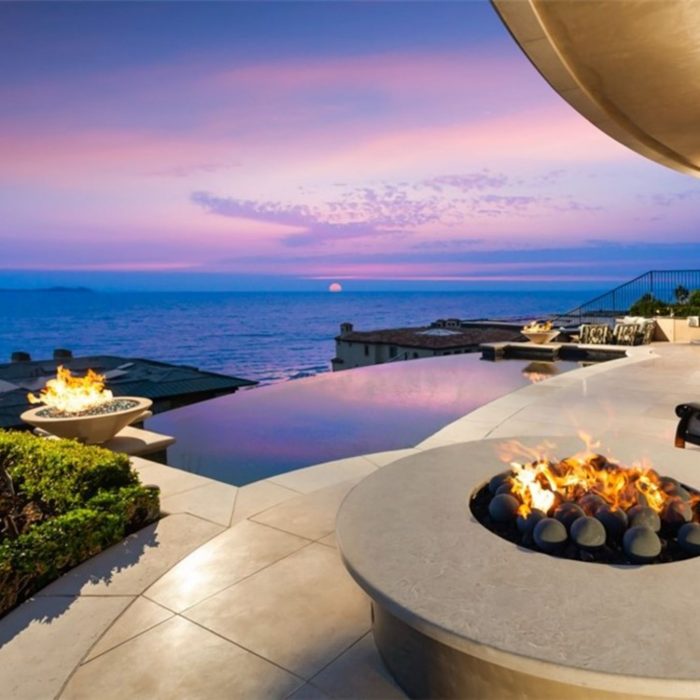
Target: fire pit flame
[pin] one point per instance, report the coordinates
(543, 483)
(589, 507)
(67, 394)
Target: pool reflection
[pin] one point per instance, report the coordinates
(269, 430)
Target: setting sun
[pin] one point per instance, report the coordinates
(335, 287)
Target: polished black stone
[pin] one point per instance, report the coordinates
(614, 520)
(567, 512)
(503, 508)
(526, 524)
(641, 545)
(588, 532)
(676, 512)
(591, 502)
(498, 480)
(689, 537)
(549, 534)
(645, 517)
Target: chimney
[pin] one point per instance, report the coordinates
(345, 328)
(62, 354)
(20, 356)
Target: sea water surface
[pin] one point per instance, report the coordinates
(265, 336)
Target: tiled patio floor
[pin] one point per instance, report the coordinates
(240, 592)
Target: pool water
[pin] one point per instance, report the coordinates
(260, 432)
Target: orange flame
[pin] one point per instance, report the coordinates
(538, 326)
(69, 394)
(542, 482)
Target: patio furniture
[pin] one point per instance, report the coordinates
(595, 334)
(647, 332)
(689, 424)
(644, 332)
(625, 334)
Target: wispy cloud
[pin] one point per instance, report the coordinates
(450, 245)
(442, 202)
(386, 210)
(467, 182)
(670, 198)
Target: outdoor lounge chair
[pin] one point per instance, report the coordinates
(625, 334)
(647, 332)
(689, 424)
(595, 334)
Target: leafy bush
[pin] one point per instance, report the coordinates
(60, 503)
(649, 305)
(687, 304)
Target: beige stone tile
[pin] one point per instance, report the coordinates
(586, 415)
(330, 540)
(178, 659)
(300, 613)
(128, 568)
(234, 554)
(213, 502)
(515, 428)
(462, 430)
(502, 408)
(308, 692)
(665, 406)
(382, 459)
(359, 673)
(311, 516)
(648, 428)
(169, 479)
(321, 475)
(43, 640)
(259, 496)
(140, 616)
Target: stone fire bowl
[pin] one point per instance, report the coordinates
(92, 430)
(540, 337)
(459, 612)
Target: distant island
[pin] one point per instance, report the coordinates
(49, 289)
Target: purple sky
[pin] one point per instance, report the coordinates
(325, 141)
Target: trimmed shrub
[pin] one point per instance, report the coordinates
(62, 474)
(62, 503)
(648, 305)
(687, 304)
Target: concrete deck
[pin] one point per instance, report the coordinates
(240, 593)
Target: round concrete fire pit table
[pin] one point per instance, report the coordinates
(459, 612)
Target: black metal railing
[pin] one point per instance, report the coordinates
(662, 284)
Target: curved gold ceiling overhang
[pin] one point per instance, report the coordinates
(632, 67)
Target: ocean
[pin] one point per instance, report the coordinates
(265, 336)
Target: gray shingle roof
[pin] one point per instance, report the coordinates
(423, 338)
(132, 377)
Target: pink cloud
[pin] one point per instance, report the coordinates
(387, 275)
(60, 155)
(543, 137)
(128, 266)
(391, 73)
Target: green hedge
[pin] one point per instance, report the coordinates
(687, 304)
(81, 500)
